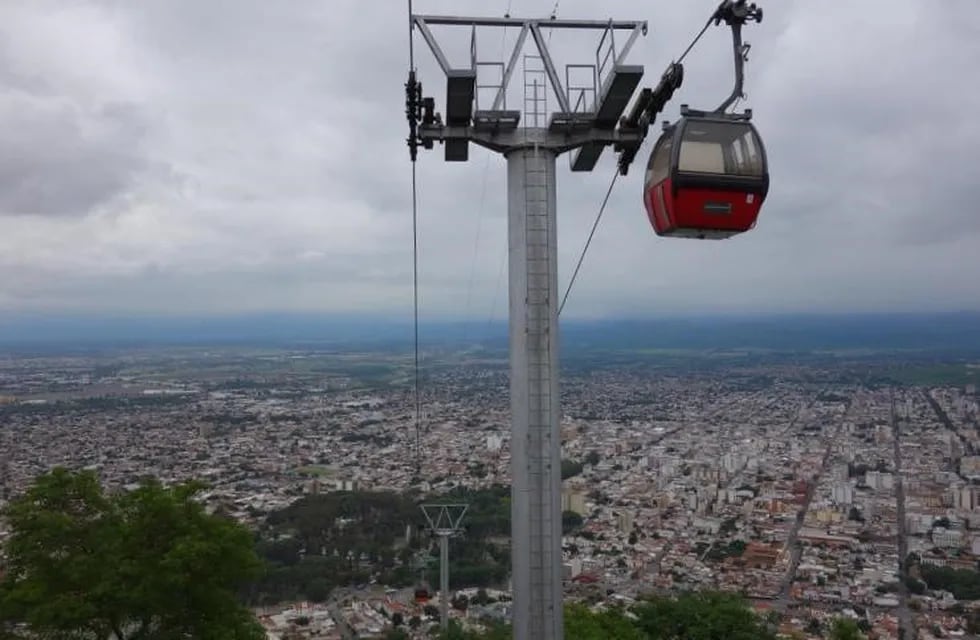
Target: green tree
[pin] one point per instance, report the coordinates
(570, 521)
(915, 586)
(570, 468)
(706, 615)
(583, 624)
(814, 627)
(689, 616)
(456, 632)
(149, 563)
(845, 629)
(318, 590)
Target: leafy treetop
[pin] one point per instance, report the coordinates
(145, 564)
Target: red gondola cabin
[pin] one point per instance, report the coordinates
(707, 176)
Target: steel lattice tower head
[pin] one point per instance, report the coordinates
(444, 521)
(588, 119)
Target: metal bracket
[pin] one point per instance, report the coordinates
(503, 141)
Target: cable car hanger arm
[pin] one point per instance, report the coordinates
(735, 13)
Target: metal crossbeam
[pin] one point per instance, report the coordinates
(430, 39)
(511, 64)
(518, 22)
(561, 140)
(549, 66)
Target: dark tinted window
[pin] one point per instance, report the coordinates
(730, 148)
(659, 166)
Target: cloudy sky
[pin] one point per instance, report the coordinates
(224, 156)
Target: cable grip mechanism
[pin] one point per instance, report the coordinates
(418, 110)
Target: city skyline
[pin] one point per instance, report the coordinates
(818, 485)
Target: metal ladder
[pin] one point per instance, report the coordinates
(537, 228)
(535, 92)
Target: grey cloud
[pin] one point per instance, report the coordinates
(257, 162)
(61, 159)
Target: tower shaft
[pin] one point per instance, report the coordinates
(535, 412)
(444, 581)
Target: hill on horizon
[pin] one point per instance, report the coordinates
(948, 331)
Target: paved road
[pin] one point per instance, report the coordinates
(943, 417)
(795, 549)
(904, 615)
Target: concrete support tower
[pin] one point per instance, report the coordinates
(588, 120)
(536, 464)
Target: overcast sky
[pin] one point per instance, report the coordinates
(224, 156)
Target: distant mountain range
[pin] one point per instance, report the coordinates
(951, 331)
(947, 331)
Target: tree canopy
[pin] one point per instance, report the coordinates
(326, 540)
(689, 616)
(964, 584)
(704, 615)
(149, 563)
(845, 629)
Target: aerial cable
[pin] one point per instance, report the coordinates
(480, 209)
(503, 255)
(554, 16)
(415, 291)
(413, 98)
(605, 200)
(588, 242)
(411, 39)
(476, 243)
(695, 41)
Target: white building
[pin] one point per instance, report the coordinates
(842, 493)
(946, 538)
(879, 480)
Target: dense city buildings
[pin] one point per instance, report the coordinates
(816, 488)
